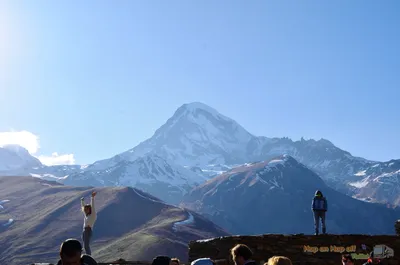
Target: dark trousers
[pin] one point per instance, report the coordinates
(86, 237)
(319, 215)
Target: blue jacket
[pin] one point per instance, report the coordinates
(319, 203)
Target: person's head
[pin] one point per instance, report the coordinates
(175, 261)
(347, 259)
(161, 260)
(87, 209)
(241, 253)
(70, 252)
(203, 261)
(279, 260)
(318, 193)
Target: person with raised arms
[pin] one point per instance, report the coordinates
(90, 216)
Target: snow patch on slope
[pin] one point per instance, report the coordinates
(276, 162)
(360, 184)
(189, 220)
(1, 202)
(157, 169)
(393, 176)
(9, 222)
(150, 199)
(361, 173)
(48, 176)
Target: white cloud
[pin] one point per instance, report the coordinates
(23, 138)
(31, 143)
(56, 159)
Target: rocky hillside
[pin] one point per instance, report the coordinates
(336, 166)
(274, 196)
(37, 215)
(379, 183)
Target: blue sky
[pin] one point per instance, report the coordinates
(95, 78)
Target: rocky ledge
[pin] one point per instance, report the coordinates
(303, 249)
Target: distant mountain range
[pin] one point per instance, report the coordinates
(198, 143)
(198, 147)
(37, 215)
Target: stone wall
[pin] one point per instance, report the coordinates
(301, 249)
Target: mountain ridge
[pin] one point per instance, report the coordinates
(277, 194)
(200, 139)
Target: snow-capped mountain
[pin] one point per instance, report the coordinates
(150, 173)
(333, 164)
(274, 196)
(15, 157)
(196, 135)
(195, 144)
(379, 183)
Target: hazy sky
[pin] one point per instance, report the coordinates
(91, 79)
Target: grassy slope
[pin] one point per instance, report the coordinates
(129, 226)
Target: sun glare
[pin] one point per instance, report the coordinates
(11, 39)
(6, 37)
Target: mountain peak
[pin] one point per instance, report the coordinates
(199, 106)
(196, 134)
(321, 142)
(13, 157)
(15, 148)
(197, 109)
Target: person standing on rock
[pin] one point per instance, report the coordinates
(90, 216)
(319, 207)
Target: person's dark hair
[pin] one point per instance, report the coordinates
(161, 260)
(241, 250)
(346, 257)
(89, 207)
(70, 247)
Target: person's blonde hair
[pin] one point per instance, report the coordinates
(278, 260)
(176, 260)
